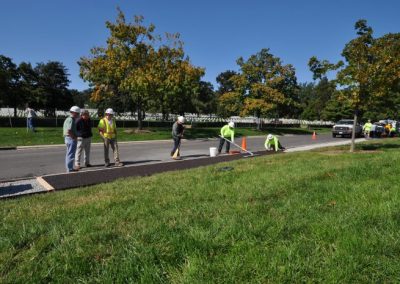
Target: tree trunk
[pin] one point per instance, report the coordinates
(353, 133)
(139, 116)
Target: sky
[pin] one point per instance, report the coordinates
(215, 32)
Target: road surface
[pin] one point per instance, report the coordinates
(33, 162)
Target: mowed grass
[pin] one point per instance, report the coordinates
(325, 216)
(11, 137)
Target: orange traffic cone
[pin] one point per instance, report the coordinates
(314, 136)
(244, 144)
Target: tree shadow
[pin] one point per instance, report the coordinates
(377, 146)
(14, 189)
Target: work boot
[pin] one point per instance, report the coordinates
(77, 167)
(106, 165)
(118, 164)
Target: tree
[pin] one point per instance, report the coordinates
(370, 72)
(138, 64)
(52, 87)
(204, 101)
(264, 86)
(9, 83)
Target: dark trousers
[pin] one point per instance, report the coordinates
(177, 142)
(221, 144)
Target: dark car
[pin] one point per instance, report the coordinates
(344, 128)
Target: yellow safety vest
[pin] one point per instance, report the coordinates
(110, 130)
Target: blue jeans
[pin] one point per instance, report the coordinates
(30, 123)
(70, 156)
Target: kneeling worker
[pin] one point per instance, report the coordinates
(273, 141)
(226, 131)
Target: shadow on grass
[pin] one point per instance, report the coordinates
(377, 146)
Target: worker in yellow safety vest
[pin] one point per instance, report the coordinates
(108, 131)
(227, 131)
(272, 143)
(367, 128)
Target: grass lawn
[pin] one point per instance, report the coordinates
(325, 216)
(52, 135)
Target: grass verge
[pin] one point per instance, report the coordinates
(51, 135)
(325, 216)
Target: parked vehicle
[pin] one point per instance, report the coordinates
(344, 128)
(377, 130)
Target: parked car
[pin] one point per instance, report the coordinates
(344, 128)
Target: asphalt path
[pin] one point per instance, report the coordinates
(33, 162)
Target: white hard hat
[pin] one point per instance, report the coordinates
(75, 109)
(181, 119)
(231, 124)
(269, 137)
(109, 111)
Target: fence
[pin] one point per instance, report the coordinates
(156, 120)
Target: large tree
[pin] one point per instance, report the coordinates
(153, 71)
(52, 87)
(370, 73)
(264, 86)
(9, 80)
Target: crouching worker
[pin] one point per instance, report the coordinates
(108, 131)
(227, 131)
(272, 143)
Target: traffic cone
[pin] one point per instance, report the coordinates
(314, 136)
(244, 144)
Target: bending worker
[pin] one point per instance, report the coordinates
(272, 143)
(367, 128)
(177, 135)
(108, 131)
(226, 131)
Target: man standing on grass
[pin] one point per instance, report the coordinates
(272, 143)
(108, 131)
(30, 115)
(84, 133)
(177, 135)
(227, 131)
(70, 135)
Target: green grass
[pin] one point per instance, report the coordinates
(325, 216)
(51, 135)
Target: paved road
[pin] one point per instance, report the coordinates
(32, 162)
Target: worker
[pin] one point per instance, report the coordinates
(177, 135)
(227, 131)
(367, 128)
(272, 143)
(84, 133)
(108, 131)
(70, 135)
(392, 131)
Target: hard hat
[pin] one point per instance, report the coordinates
(231, 124)
(109, 111)
(181, 119)
(75, 109)
(269, 137)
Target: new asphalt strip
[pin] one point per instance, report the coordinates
(48, 183)
(85, 178)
